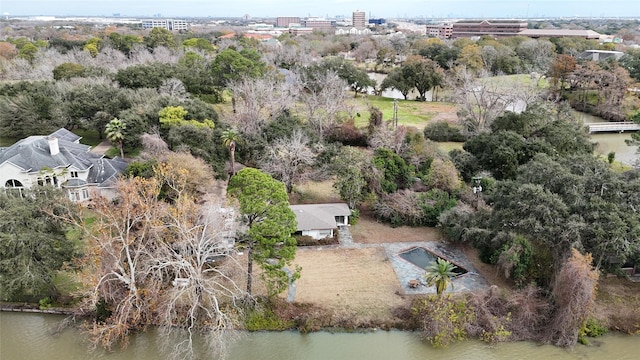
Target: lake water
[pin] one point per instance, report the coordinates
(28, 337)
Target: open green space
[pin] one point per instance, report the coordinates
(410, 112)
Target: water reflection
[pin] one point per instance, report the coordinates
(28, 336)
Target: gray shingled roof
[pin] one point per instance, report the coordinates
(64, 134)
(105, 171)
(33, 154)
(319, 216)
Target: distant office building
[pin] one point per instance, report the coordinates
(496, 29)
(442, 31)
(169, 24)
(377, 21)
(538, 33)
(359, 19)
(300, 30)
(599, 55)
(285, 21)
(319, 24)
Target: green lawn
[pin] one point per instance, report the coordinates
(410, 112)
(448, 146)
(5, 141)
(508, 81)
(89, 137)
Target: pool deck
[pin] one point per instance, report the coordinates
(406, 271)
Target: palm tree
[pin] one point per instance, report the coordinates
(115, 133)
(229, 139)
(439, 273)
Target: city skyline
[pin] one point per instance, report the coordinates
(304, 8)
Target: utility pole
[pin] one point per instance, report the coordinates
(395, 113)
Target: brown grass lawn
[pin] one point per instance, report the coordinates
(618, 304)
(359, 283)
(369, 231)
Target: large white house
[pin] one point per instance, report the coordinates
(59, 160)
(319, 220)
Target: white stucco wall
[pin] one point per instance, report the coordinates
(316, 234)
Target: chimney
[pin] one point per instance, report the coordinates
(54, 149)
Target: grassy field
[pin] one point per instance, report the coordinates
(410, 113)
(508, 81)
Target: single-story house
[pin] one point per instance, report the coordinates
(58, 159)
(320, 220)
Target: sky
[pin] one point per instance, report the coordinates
(324, 8)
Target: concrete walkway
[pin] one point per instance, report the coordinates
(101, 148)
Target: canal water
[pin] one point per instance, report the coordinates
(29, 337)
(608, 142)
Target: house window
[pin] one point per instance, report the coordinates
(15, 187)
(74, 196)
(74, 174)
(12, 183)
(85, 193)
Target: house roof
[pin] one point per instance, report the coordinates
(319, 216)
(33, 154)
(105, 171)
(64, 134)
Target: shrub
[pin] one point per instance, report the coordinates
(45, 303)
(354, 217)
(442, 319)
(347, 134)
(263, 318)
(590, 328)
(397, 173)
(413, 209)
(305, 240)
(442, 131)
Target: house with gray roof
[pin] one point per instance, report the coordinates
(320, 220)
(58, 159)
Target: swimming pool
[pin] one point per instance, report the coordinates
(422, 257)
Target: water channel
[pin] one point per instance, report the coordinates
(608, 142)
(29, 337)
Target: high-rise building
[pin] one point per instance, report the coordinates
(285, 21)
(359, 19)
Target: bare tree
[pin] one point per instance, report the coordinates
(574, 293)
(154, 146)
(287, 159)
(152, 263)
(260, 100)
(480, 102)
(324, 96)
(386, 136)
(173, 87)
